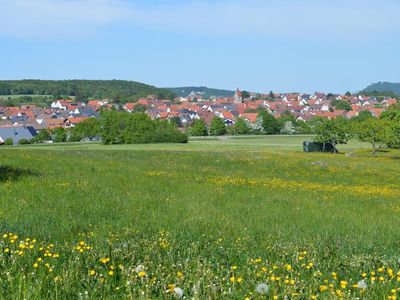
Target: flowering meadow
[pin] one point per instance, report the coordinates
(180, 221)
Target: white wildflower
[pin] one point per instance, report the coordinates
(139, 268)
(362, 285)
(178, 292)
(262, 289)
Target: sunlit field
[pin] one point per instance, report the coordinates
(234, 218)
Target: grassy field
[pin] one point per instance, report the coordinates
(211, 219)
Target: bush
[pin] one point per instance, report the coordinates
(74, 138)
(59, 135)
(137, 128)
(24, 142)
(217, 127)
(43, 135)
(9, 142)
(239, 128)
(270, 125)
(199, 128)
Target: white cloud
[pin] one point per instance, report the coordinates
(57, 18)
(308, 19)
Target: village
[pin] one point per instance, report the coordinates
(67, 113)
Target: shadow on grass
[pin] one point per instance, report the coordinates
(8, 173)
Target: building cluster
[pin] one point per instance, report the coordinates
(303, 107)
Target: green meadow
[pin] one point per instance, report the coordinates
(234, 218)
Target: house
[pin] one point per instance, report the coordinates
(16, 134)
(351, 114)
(250, 117)
(388, 102)
(129, 107)
(72, 121)
(61, 104)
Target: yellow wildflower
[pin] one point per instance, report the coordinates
(142, 274)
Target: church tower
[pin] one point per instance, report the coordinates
(238, 96)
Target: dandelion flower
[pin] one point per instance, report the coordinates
(142, 274)
(178, 292)
(362, 285)
(262, 289)
(139, 268)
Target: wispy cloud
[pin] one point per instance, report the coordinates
(308, 19)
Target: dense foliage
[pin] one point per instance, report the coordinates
(205, 92)
(217, 127)
(379, 132)
(333, 132)
(137, 128)
(383, 88)
(199, 128)
(19, 100)
(239, 128)
(119, 90)
(88, 129)
(270, 124)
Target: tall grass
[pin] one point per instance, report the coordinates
(214, 223)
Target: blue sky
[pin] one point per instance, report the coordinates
(284, 45)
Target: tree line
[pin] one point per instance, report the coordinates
(118, 90)
(114, 128)
(265, 124)
(379, 132)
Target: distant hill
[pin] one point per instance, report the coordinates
(202, 90)
(83, 89)
(384, 87)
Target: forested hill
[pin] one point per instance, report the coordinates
(384, 87)
(84, 89)
(201, 91)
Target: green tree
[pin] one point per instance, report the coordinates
(140, 108)
(303, 127)
(395, 134)
(59, 135)
(270, 124)
(377, 132)
(245, 94)
(391, 114)
(137, 128)
(111, 125)
(177, 121)
(217, 127)
(271, 95)
(343, 105)
(363, 115)
(348, 94)
(334, 132)
(199, 128)
(89, 128)
(43, 135)
(240, 127)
